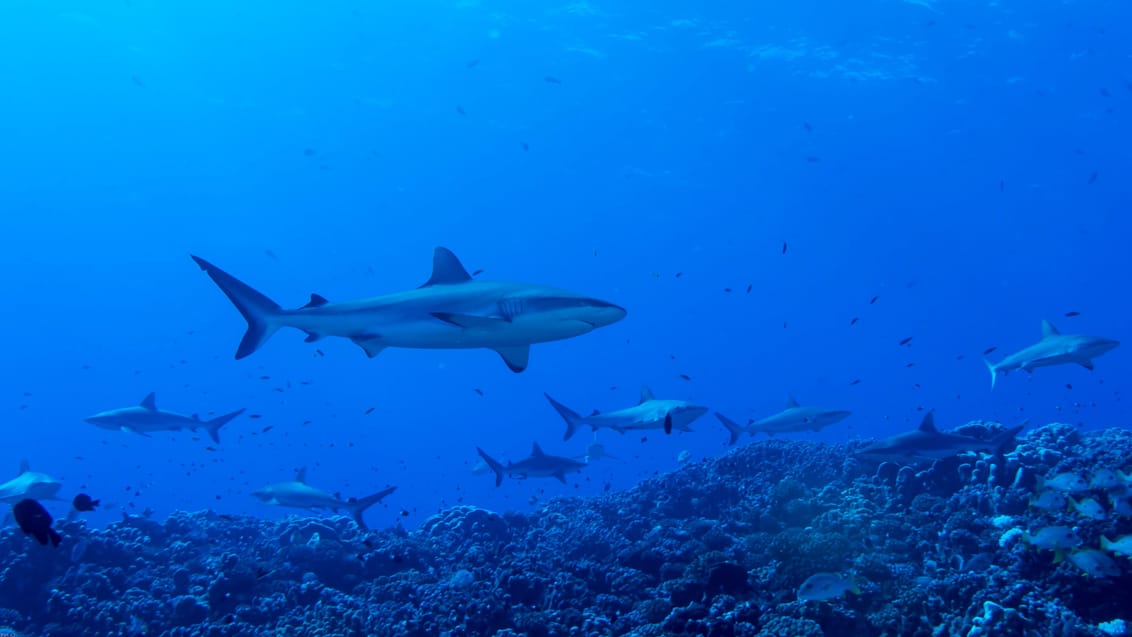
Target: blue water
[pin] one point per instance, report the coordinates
(965, 163)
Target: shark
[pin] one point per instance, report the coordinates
(795, 418)
(537, 465)
(298, 494)
(648, 413)
(145, 418)
(449, 311)
(928, 443)
(1054, 348)
(29, 484)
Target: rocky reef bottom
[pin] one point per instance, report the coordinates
(717, 548)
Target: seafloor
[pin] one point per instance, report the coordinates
(933, 548)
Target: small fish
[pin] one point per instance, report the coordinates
(1053, 538)
(255, 416)
(524, 146)
(1104, 92)
(685, 377)
(137, 81)
(1072, 314)
(1088, 508)
(478, 391)
(873, 300)
(369, 411)
(825, 586)
(461, 111)
(1067, 482)
(477, 272)
(748, 288)
(783, 247)
(1049, 500)
(267, 429)
(83, 502)
(906, 341)
(1122, 545)
(854, 320)
(1094, 563)
(1105, 479)
(808, 127)
(550, 79)
(1093, 177)
(856, 381)
(472, 64)
(989, 350)
(813, 159)
(34, 520)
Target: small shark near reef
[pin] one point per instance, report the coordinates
(1055, 348)
(29, 485)
(145, 418)
(298, 494)
(793, 419)
(449, 311)
(929, 443)
(649, 413)
(537, 465)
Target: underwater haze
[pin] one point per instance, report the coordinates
(849, 204)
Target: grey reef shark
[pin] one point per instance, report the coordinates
(795, 418)
(145, 418)
(648, 413)
(537, 465)
(449, 311)
(29, 484)
(298, 494)
(1055, 348)
(928, 443)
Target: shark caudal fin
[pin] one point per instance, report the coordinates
(494, 465)
(733, 427)
(213, 426)
(259, 311)
(573, 420)
(993, 372)
(359, 505)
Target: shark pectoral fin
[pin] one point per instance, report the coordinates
(312, 337)
(132, 430)
(370, 343)
(516, 357)
(561, 477)
(470, 321)
(1087, 364)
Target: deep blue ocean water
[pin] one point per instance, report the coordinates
(964, 163)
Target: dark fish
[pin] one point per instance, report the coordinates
(370, 411)
(727, 578)
(989, 350)
(271, 254)
(783, 247)
(679, 274)
(910, 365)
(1093, 177)
(1069, 385)
(1072, 314)
(748, 288)
(477, 272)
(856, 381)
(309, 152)
(1105, 92)
(854, 320)
(460, 110)
(525, 145)
(873, 300)
(255, 416)
(137, 81)
(83, 502)
(34, 520)
(806, 125)
(478, 391)
(267, 429)
(685, 377)
(550, 79)
(906, 341)
(813, 159)
(472, 64)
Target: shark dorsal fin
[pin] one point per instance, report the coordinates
(927, 425)
(1049, 330)
(317, 300)
(646, 394)
(301, 475)
(791, 403)
(24, 466)
(536, 451)
(150, 401)
(446, 269)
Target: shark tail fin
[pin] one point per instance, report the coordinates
(573, 420)
(213, 426)
(993, 372)
(494, 465)
(733, 428)
(259, 311)
(357, 507)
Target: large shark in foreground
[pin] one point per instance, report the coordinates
(449, 311)
(145, 418)
(929, 443)
(793, 419)
(537, 465)
(300, 495)
(649, 413)
(1055, 348)
(29, 484)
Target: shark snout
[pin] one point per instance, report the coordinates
(601, 313)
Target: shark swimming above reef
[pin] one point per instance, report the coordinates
(145, 418)
(795, 418)
(1054, 348)
(538, 465)
(300, 495)
(928, 443)
(449, 311)
(648, 413)
(29, 484)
